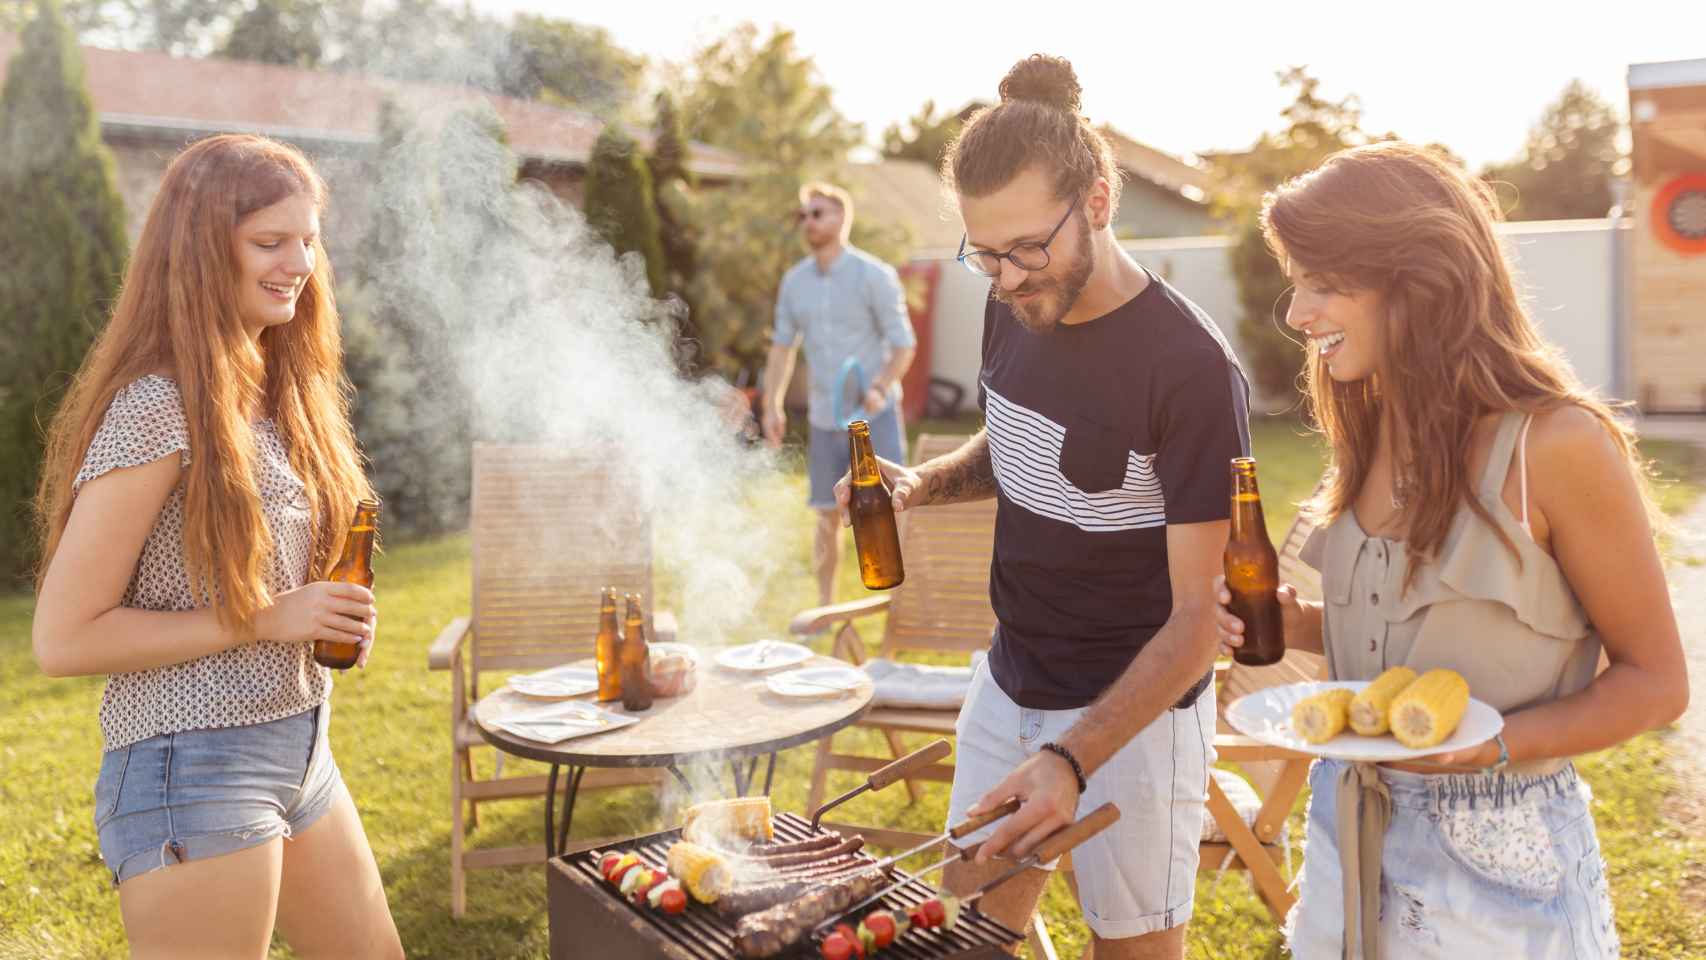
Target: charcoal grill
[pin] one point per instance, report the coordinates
(590, 919)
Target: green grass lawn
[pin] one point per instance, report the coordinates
(390, 732)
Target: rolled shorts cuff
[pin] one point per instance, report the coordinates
(1125, 929)
(185, 849)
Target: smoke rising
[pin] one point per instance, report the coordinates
(521, 325)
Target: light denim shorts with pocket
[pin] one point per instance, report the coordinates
(1474, 865)
(204, 793)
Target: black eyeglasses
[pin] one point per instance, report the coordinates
(816, 213)
(1025, 256)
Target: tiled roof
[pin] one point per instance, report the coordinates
(143, 90)
(1162, 169)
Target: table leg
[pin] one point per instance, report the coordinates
(551, 812)
(686, 784)
(769, 772)
(568, 812)
(743, 780)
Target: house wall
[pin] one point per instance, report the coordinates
(1567, 270)
(1150, 211)
(1667, 331)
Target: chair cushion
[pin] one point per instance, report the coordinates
(916, 685)
(1243, 798)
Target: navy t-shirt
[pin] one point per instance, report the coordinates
(1101, 434)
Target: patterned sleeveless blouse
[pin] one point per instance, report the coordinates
(252, 683)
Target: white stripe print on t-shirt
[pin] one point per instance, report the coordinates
(1024, 447)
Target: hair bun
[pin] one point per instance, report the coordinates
(1043, 79)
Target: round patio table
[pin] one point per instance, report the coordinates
(730, 715)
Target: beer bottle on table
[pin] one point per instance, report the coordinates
(876, 539)
(355, 565)
(609, 649)
(636, 660)
(1252, 572)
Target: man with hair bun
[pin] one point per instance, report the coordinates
(1113, 405)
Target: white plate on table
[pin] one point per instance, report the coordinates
(1266, 716)
(557, 683)
(764, 655)
(812, 682)
(556, 722)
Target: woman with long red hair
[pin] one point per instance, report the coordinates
(198, 478)
(1482, 512)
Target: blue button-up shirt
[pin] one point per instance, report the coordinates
(856, 309)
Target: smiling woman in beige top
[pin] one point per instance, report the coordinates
(1482, 512)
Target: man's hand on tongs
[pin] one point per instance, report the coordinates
(1048, 794)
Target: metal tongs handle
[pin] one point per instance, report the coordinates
(978, 822)
(886, 776)
(1054, 845)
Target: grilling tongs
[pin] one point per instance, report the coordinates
(1052, 846)
(886, 776)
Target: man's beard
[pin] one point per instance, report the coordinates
(1043, 314)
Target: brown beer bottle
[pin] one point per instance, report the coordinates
(1252, 572)
(636, 660)
(876, 539)
(609, 649)
(355, 565)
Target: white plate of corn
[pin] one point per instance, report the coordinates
(1399, 715)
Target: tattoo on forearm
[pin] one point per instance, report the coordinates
(966, 474)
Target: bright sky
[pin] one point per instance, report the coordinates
(1188, 76)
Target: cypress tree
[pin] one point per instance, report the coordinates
(62, 254)
(620, 204)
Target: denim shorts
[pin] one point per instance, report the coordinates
(1139, 875)
(1474, 865)
(827, 457)
(205, 793)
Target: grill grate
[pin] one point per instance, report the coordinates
(703, 934)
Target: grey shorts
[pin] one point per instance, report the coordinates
(1139, 876)
(204, 793)
(828, 460)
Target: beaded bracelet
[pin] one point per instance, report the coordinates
(1065, 754)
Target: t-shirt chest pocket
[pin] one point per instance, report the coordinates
(1093, 455)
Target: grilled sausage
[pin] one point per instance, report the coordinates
(818, 842)
(783, 861)
(770, 932)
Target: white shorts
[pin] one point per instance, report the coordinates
(1139, 875)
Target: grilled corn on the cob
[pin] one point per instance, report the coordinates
(1321, 717)
(700, 870)
(742, 818)
(1369, 709)
(1430, 709)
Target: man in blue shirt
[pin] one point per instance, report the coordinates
(849, 311)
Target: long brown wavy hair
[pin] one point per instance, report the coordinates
(1408, 225)
(178, 312)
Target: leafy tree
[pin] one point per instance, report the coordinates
(285, 32)
(926, 135)
(760, 97)
(1315, 128)
(619, 201)
(569, 63)
(62, 252)
(1569, 161)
